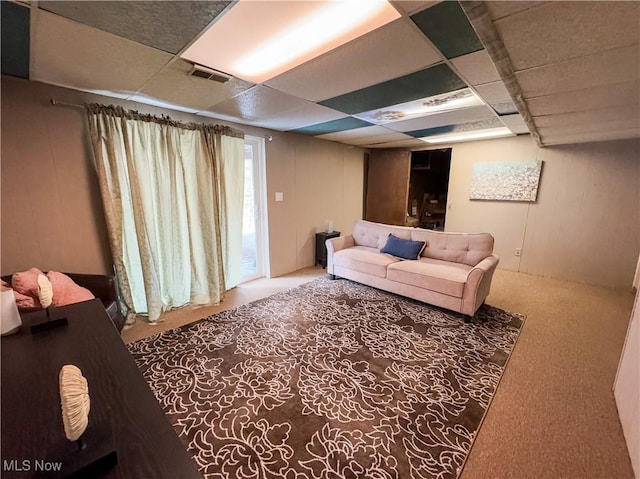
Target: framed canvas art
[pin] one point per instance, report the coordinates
(509, 181)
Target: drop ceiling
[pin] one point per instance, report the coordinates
(566, 72)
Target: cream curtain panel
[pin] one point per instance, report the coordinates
(171, 193)
(230, 151)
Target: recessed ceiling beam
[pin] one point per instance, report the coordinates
(478, 15)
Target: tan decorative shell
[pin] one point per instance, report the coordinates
(45, 291)
(74, 397)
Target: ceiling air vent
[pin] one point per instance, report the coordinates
(209, 74)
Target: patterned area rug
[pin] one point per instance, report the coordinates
(330, 380)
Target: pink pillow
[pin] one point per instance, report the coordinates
(22, 301)
(25, 289)
(26, 303)
(66, 291)
(26, 282)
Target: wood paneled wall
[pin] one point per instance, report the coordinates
(52, 216)
(585, 224)
(52, 213)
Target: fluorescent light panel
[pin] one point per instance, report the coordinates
(455, 100)
(468, 135)
(258, 40)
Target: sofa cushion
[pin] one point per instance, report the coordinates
(465, 248)
(403, 248)
(364, 259)
(432, 274)
(374, 235)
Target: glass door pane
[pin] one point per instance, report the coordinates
(252, 220)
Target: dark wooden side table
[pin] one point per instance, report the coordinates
(33, 437)
(321, 247)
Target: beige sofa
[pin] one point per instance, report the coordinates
(454, 270)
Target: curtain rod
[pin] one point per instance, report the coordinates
(62, 103)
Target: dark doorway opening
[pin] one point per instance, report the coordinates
(428, 188)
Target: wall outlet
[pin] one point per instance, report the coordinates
(518, 251)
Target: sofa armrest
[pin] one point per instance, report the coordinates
(336, 244)
(478, 284)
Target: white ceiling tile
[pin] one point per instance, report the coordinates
(588, 99)
(386, 53)
(477, 68)
(593, 128)
(515, 123)
(409, 143)
(305, 115)
(502, 8)
(410, 7)
(378, 139)
(590, 117)
(70, 54)
(217, 116)
(364, 132)
(559, 31)
(257, 103)
(448, 118)
(550, 138)
(494, 92)
(263, 106)
(175, 85)
(368, 134)
(154, 101)
(615, 66)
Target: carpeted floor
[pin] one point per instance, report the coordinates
(330, 379)
(554, 415)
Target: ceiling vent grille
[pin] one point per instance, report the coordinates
(209, 74)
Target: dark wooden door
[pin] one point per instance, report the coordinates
(388, 186)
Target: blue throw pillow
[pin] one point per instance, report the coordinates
(402, 248)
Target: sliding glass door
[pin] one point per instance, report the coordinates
(254, 218)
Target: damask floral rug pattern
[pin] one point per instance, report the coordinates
(330, 380)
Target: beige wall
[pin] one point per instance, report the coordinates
(627, 388)
(320, 181)
(50, 203)
(585, 225)
(52, 214)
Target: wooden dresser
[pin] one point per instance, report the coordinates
(122, 405)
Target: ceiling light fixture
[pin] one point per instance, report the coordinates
(309, 34)
(454, 100)
(468, 135)
(258, 40)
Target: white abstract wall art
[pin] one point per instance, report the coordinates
(511, 181)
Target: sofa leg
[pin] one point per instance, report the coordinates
(332, 276)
